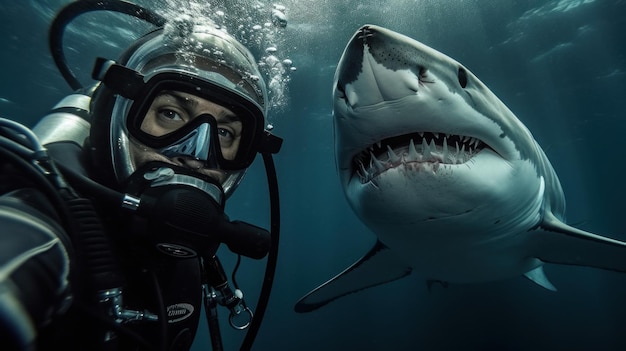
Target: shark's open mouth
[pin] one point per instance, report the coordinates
(422, 148)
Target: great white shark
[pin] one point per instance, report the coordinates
(452, 183)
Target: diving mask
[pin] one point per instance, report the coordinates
(172, 113)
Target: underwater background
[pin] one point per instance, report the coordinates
(559, 65)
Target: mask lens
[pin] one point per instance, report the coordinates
(195, 144)
(204, 123)
(166, 114)
(179, 124)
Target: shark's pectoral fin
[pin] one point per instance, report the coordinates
(538, 276)
(378, 266)
(562, 244)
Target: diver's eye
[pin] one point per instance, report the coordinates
(462, 75)
(170, 115)
(224, 132)
(226, 136)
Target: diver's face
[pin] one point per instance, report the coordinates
(171, 110)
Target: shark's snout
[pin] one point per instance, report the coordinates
(361, 80)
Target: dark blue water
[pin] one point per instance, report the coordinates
(559, 65)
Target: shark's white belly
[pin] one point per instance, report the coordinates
(461, 255)
(447, 226)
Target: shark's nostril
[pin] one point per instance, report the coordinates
(422, 71)
(423, 75)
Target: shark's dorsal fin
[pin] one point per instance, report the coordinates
(538, 276)
(377, 267)
(557, 242)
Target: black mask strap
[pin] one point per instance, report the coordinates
(122, 80)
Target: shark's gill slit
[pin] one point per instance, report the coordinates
(423, 147)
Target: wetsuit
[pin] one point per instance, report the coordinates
(63, 258)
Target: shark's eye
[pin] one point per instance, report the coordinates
(462, 75)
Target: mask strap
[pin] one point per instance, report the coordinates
(122, 80)
(269, 143)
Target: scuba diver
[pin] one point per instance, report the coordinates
(112, 206)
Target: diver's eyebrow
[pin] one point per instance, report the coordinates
(225, 116)
(182, 100)
(229, 117)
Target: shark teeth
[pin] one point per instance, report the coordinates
(424, 148)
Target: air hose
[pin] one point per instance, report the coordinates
(93, 247)
(77, 8)
(272, 256)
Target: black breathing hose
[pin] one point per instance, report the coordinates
(272, 256)
(77, 8)
(88, 186)
(210, 309)
(48, 190)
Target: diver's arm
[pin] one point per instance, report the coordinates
(34, 269)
